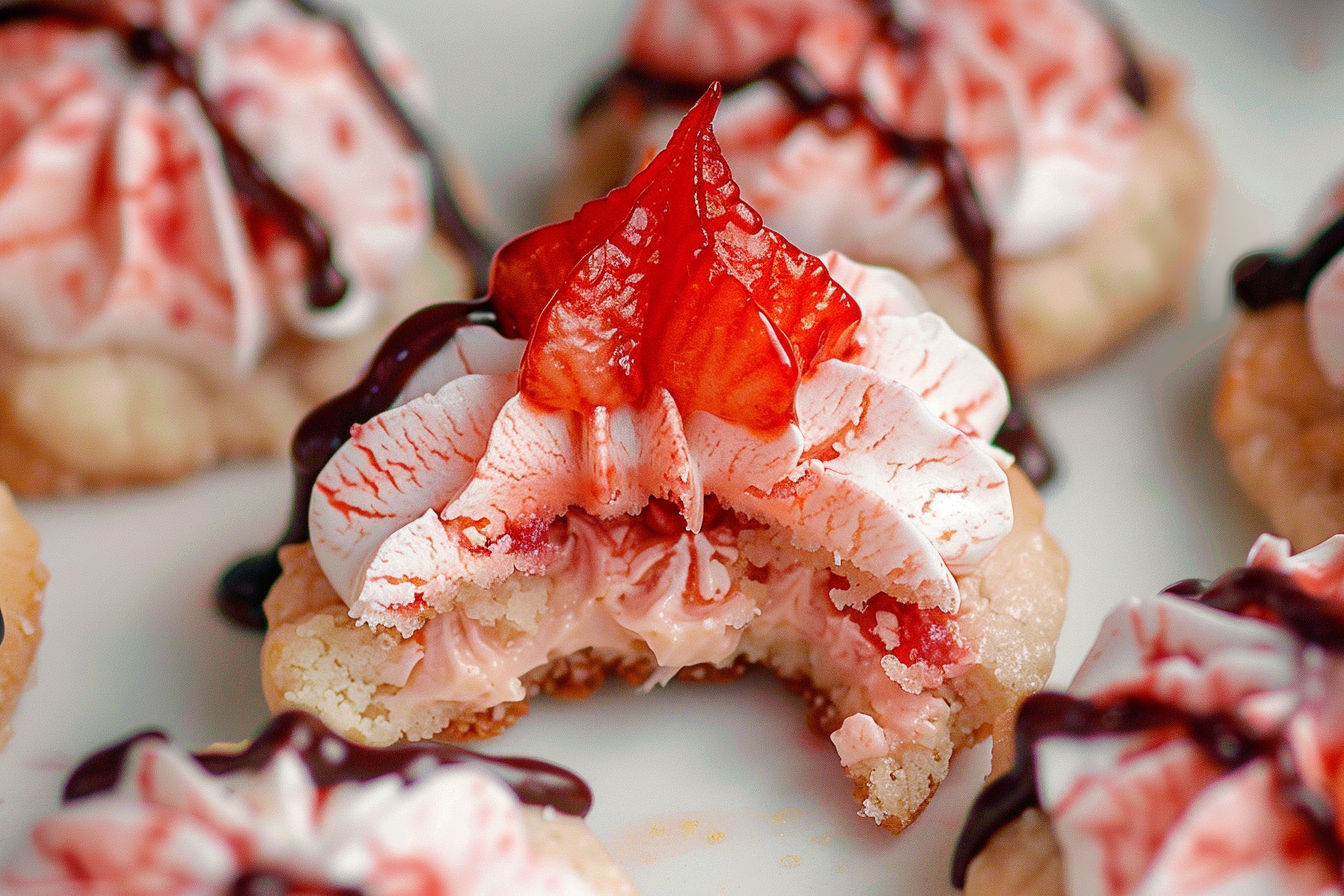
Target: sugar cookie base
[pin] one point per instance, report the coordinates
(22, 580)
(115, 417)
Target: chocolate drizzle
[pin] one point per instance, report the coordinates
(1132, 79)
(268, 883)
(245, 586)
(449, 221)
(969, 219)
(152, 46)
(332, 760)
(1265, 279)
(1263, 593)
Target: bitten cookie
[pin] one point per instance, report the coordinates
(1039, 181)
(22, 580)
(694, 447)
(1280, 405)
(1198, 750)
(213, 211)
(299, 810)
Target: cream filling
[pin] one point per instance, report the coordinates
(731, 590)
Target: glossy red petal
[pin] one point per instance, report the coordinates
(529, 269)
(679, 286)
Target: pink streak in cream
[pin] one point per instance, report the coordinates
(1029, 90)
(118, 223)
(1150, 813)
(632, 518)
(169, 827)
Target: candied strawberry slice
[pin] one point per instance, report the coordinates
(722, 354)
(679, 286)
(584, 348)
(529, 269)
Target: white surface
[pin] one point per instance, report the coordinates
(709, 789)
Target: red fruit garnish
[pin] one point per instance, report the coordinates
(670, 282)
(909, 633)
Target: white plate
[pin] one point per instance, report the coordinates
(709, 789)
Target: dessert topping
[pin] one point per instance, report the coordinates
(1313, 275)
(182, 124)
(1215, 707)
(674, 283)
(299, 810)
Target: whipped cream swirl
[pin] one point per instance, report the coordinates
(1029, 92)
(119, 224)
(1155, 812)
(171, 827)
(888, 470)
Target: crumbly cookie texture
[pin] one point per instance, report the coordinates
(1282, 425)
(1062, 308)
(115, 417)
(22, 580)
(316, 657)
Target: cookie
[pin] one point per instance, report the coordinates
(300, 809)
(214, 212)
(1279, 410)
(22, 580)
(1196, 751)
(1039, 181)
(692, 448)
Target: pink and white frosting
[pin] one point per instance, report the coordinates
(118, 221)
(1028, 90)
(840, 534)
(887, 472)
(1154, 813)
(169, 827)
(1325, 302)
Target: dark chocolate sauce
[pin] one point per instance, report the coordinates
(1223, 738)
(1271, 594)
(256, 189)
(1264, 593)
(333, 760)
(2, 627)
(970, 223)
(269, 883)
(1264, 279)
(891, 25)
(245, 585)
(1019, 437)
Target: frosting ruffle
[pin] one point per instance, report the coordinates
(887, 470)
(170, 826)
(118, 221)
(1028, 91)
(1153, 813)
